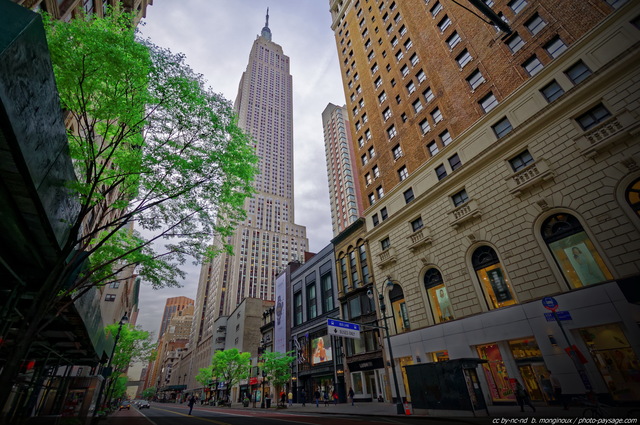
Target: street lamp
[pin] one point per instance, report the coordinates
(383, 308)
(107, 371)
(264, 374)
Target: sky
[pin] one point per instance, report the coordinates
(216, 36)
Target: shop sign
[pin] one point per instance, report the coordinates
(253, 381)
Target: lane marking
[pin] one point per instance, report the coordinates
(202, 418)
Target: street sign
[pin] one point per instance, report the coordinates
(550, 303)
(562, 315)
(345, 329)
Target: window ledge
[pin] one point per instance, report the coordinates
(419, 239)
(387, 257)
(529, 176)
(464, 213)
(599, 138)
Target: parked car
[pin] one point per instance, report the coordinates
(144, 404)
(125, 405)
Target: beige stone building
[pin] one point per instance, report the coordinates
(506, 171)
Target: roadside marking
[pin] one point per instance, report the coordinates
(202, 418)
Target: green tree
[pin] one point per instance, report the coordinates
(150, 144)
(205, 375)
(277, 367)
(230, 366)
(148, 393)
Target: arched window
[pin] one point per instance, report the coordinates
(573, 251)
(633, 196)
(495, 285)
(399, 309)
(438, 296)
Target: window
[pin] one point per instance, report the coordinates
(532, 65)
(376, 172)
(593, 116)
(364, 266)
(453, 40)
(367, 179)
(421, 76)
(397, 18)
(573, 251)
(417, 224)
(356, 77)
(438, 296)
(408, 44)
(297, 308)
(353, 269)
(110, 297)
(393, 83)
(489, 2)
(463, 58)
(408, 195)
(495, 285)
(445, 137)
(344, 280)
(488, 102)
(372, 199)
(436, 115)
(397, 152)
(460, 198)
(517, 5)
(365, 119)
(380, 192)
(424, 126)
(403, 117)
(326, 284)
(358, 125)
(399, 55)
(391, 132)
(404, 70)
(555, 47)
(114, 285)
(515, 43)
(417, 106)
(475, 79)
(403, 173)
(358, 89)
(433, 148)
(552, 91)
(367, 44)
(382, 97)
(398, 99)
(521, 160)
(378, 82)
(428, 95)
(535, 24)
(436, 9)
(312, 307)
(399, 308)
(414, 59)
(360, 142)
(375, 220)
(403, 30)
(386, 114)
(389, 28)
(578, 72)
(371, 55)
(455, 162)
(383, 213)
(367, 134)
(502, 127)
(441, 171)
(616, 3)
(632, 196)
(374, 68)
(364, 159)
(444, 23)
(372, 152)
(385, 244)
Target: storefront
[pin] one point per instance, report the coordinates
(367, 379)
(495, 372)
(534, 372)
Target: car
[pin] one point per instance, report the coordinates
(125, 405)
(144, 404)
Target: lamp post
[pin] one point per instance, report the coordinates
(383, 309)
(107, 371)
(264, 374)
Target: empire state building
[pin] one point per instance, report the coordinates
(269, 238)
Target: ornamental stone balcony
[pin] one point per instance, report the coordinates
(529, 176)
(465, 212)
(387, 257)
(419, 239)
(612, 130)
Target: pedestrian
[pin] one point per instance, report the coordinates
(351, 396)
(316, 395)
(192, 401)
(335, 397)
(557, 392)
(290, 396)
(325, 397)
(522, 397)
(283, 398)
(303, 396)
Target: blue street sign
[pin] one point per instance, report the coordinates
(562, 315)
(550, 303)
(344, 325)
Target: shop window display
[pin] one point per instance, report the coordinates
(438, 296)
(500, 387)
(402, 362)
(495, 285)
(438, 356)
(399, 309)
(533, 370)
(574, 252)
(615, 359)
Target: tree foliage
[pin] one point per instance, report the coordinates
(134, 344)
(230, 366)
(149, 392)
(277, 367)
(205, 375)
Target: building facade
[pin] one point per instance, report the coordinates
(344, 189)
(506, 171)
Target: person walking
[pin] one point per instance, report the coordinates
(316, 395)
(290, 396)
(522, 397)
(283, 398)
(557, 392)
(303, 396)
(325, 397)
(192, 401)
(334, 396)
(351, 396)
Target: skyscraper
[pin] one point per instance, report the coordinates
(268, 239)
(344, 189)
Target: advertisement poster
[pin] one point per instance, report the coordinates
(500, 288)
(322, 351)
(584, 264)
(280, 331)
